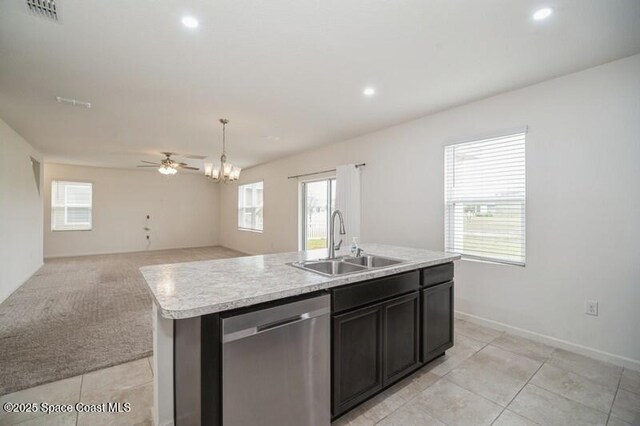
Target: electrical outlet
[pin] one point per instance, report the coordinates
(591, 307)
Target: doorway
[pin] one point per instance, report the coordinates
(318, 201)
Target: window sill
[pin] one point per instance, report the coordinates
(71, 230)
(492, 262)
(255, 231)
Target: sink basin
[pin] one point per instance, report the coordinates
(330, 267)
(372, 261)
(345, 265)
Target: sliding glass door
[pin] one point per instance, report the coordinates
(318, 201)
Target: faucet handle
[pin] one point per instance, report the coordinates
(337, 246)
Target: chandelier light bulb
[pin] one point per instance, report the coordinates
(208, 169)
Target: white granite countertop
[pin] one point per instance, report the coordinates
(185, 290)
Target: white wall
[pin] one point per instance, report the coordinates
(183, 211)
(20, 211)
(583, 199)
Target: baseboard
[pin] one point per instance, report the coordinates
(552, 341)
(247, 252)
(97, 253)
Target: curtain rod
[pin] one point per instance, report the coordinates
(323, 171)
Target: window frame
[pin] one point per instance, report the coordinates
(66, 206)
(241, 228)
(302, 216)
(450, 204)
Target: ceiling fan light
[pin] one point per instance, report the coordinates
(165, 170)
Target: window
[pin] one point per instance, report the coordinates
(485, 199)
(318, 201)
(71, 206)
(250, 206)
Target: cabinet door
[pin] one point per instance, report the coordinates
(401, 337)
(357, 357)
(437, 320)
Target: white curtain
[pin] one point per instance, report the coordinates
(348, 202)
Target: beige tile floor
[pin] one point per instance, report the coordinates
(130, 382)
(487, 378)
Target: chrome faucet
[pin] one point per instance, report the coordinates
(332, 246)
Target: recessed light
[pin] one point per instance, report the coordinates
(190, 22)
(369, 91)
(543, 13)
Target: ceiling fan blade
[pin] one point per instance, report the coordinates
(148, 166)
(150, 162)
(189, 168)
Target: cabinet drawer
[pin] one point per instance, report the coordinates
(437, 274)
(367, 292)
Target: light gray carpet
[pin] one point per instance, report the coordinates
(81, 314)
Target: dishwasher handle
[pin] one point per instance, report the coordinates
(282, 322)
(263, 328)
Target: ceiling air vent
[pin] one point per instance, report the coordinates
(45, 8)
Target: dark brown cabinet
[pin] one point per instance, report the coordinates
(373, 347)
(357, 357)
(401, 340)
(386, 328)
(437, 320)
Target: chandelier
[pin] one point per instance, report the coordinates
(225, 172)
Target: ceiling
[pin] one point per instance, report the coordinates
(289, 74)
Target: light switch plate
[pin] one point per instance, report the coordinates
(591, 307)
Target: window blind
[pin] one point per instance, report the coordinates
(71, 205)
(485, 199)
(250, 206)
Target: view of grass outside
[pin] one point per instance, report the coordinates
(491, 227)
(316, 243)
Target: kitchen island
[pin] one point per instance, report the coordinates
(192, 299)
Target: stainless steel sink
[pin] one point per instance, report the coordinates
(332, 267)
(345, 265)
(372, 261)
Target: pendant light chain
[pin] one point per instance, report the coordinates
(224, 137)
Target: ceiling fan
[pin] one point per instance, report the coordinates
(167, 166)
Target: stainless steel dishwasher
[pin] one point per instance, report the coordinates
(276, 365)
